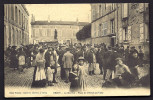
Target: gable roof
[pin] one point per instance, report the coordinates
(59, 23)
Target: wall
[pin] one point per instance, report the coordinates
(17, 29)
(64, 32)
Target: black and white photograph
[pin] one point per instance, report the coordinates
(76, 50)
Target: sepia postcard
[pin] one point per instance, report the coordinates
(76, 50)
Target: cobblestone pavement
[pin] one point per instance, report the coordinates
(14, 79)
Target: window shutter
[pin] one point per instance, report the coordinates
(129, 33)
(141, 7)
(142, 32)
(124, 10)
(120, 35)
(123, 34)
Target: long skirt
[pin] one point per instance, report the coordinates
(83, 85)
(74, 87)
(38, 83)
(14, 62)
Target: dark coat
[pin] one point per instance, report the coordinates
(90, 57)
(14, 60)
(47, 58)
(113, 62)
(100, 56)
(107, 59)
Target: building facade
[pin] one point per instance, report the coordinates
(16, 29)
(61, 31)
(120, 23)
(104, 23)
(133, 24)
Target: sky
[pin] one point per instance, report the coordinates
(57, 12)
(64, 12)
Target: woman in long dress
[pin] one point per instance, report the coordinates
(39, 75)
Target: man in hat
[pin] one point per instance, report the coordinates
(111, 63)
(61, 53)
(78, 54)
(100, 58)
(92, 61)
(107, 62)
(67, 59)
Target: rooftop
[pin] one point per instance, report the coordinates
(59, 23)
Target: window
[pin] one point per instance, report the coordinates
(103, 9)
(94, 30)
(48, 32)
(19, 17)
(17, 35)
(93, 13)
(99, 31)
(113, 6)
(44, 32)
(129, 34)
(24, 23)
(112, 26)
(20, 37)
(33, 32)
(120, 36)
(124, 10)
(104, 28)
(9, 11)
(22, 20)
(74, 33)
(16, 14)
(142, 32)
(5, 10)
(105, 6)
(12, 12)
(125, 34)
(40, 32)
(13, 38)
(100, 10)
(10, 35)
(27, 24)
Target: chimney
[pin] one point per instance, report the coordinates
(48, 18)
(32, 18)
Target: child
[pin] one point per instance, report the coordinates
(78, 81)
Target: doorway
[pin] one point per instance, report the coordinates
(112, 42)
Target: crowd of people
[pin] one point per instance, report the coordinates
(117, 65)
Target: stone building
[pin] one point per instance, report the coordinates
(133, 24)
(16, 29)
(44, 31)
(104, 23)
(120, 23)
